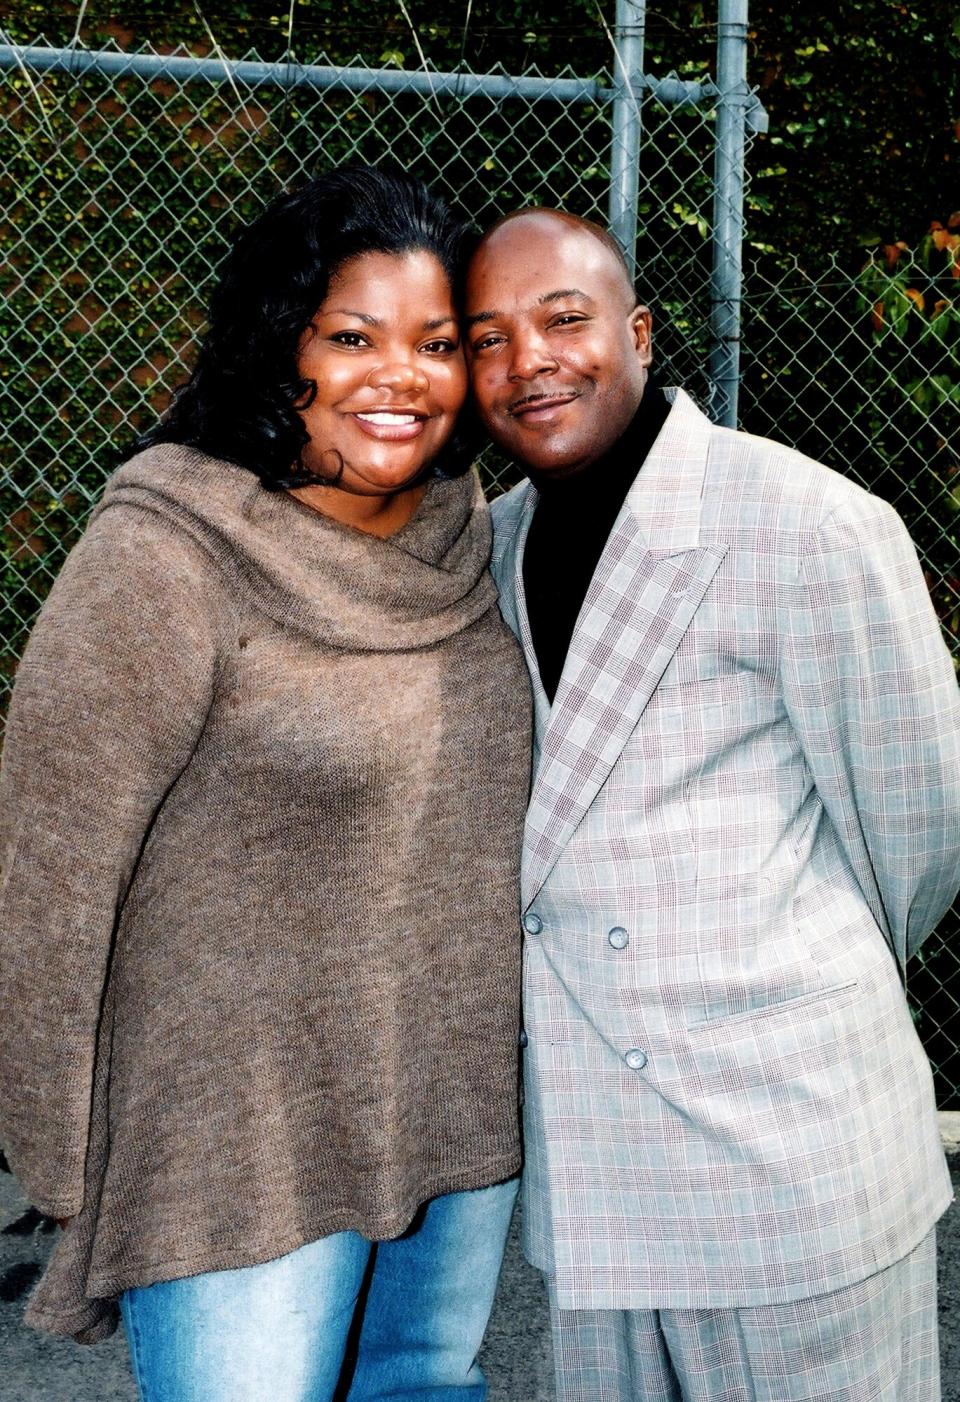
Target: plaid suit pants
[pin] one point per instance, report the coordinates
(875, 1341)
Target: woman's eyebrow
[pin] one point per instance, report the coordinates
(369, 320)
(365, 317)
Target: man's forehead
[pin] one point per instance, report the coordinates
(542, 240)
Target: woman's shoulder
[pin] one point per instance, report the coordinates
(178, 498)
(172, 479)
(152, 534)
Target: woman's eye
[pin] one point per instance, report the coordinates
(348, 338)
(440, 347)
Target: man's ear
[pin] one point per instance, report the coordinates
(641, 325)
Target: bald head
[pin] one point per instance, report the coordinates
(538, 220)
(558, 348)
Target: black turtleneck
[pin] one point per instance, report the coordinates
(571, 523)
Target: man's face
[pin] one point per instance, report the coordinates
(558, 351)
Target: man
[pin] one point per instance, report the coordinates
(744, 818)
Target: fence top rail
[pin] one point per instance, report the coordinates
(185, 68)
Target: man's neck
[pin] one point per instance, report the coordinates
(612, 473)
(570, 527)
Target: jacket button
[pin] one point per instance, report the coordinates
(618, 937)
(524, 1039)
(635, 1059)
(532, 923)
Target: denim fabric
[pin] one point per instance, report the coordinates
(413, 1309)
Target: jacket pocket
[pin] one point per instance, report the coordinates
(769, 1010)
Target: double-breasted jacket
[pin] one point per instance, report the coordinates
(745, 815)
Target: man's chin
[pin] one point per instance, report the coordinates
(545, 461)
(556, 471)
(537, 455)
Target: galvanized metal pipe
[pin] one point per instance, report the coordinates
(726, 282)
(627, 125)
(671, 92)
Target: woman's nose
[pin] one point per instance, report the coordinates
(399, 374)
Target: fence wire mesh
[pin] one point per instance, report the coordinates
(121, 193)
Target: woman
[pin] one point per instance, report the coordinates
(265, 772)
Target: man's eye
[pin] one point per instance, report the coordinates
(348, 338)
(485, 343)
(569, 319)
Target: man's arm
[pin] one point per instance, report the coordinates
(871, 691)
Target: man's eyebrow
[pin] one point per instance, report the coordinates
(564, 292)
(559, 295)
(469, 321)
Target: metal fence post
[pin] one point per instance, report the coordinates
(625, 143)
(727, 275)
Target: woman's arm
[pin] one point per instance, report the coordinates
(110, 699)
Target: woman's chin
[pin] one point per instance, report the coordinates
(386, 478)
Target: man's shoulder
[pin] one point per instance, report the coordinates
(788, 485)
(506, 509)
(507, 513)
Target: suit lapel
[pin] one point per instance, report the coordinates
(515, 599)
(646, 588)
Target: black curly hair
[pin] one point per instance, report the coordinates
(241, 401)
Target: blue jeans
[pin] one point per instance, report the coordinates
(414, 1309)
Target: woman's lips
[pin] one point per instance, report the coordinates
(389, 426)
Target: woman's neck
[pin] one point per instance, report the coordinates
(376, 515)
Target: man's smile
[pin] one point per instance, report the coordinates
(533, 407)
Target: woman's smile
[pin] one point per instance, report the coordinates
(391, 425)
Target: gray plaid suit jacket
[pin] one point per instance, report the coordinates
(745, 814)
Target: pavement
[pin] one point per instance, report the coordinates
(516, 1354)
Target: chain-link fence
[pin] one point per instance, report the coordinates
(123, 180)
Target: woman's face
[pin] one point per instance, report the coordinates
(384, 350)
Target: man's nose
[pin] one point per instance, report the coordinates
(399, 374)
(531, 357)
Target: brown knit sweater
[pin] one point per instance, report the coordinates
(260, 815)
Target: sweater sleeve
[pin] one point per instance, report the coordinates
(110, 699)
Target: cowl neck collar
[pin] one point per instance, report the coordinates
(341, 586)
